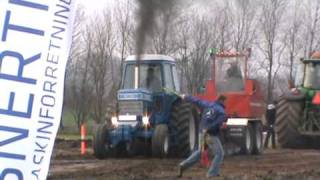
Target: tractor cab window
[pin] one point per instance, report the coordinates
(168, 79)
(312, 76)
(150, 77)
(175, 78)
(230, 74)
(317, 78)
(128, 80)
(299, 75)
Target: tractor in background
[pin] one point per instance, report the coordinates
(244, 104)
(298, 112)
(149, 117)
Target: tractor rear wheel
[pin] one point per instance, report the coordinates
(185, 128)
(101, 142)
(160, 141)
(288, 115)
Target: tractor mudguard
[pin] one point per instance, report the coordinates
(295, 97)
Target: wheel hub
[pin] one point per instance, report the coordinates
(166, 145)
(192, 133)
(259, 139)
(248, 140)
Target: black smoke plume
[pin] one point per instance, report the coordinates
(147, 13)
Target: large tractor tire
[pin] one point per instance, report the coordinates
(288, 115)
(160, 141)
(185, 127)
(247, 144)
(101, 142)
(257, 138)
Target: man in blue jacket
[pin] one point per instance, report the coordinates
(212, 117)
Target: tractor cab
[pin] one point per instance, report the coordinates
(229, 77)
(142, 89)
(229, 74)
(244, 103)
(312, 72)
(307, 82)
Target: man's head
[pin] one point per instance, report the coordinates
(150, 71)
(271, 106)
(233, 64)
(233, 70)
(221, 98)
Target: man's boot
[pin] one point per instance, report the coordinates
(180, 171)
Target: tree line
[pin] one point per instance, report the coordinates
(278, 32)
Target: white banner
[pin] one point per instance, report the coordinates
(35, 38)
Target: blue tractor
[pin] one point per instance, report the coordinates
(149, 115)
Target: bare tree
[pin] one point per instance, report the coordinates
(271, 19)
(244, 24)
(312, 29)
(81, 86)
(292, 38)
(123, 14)
(76, 44)
(164, 35)
(183, 44)
(77, 73)
(77, 33)
(194, 64)
(223, 22)
(102, 64)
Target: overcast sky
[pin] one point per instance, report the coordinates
(95, 5)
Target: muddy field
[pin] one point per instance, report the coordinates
(272, 164)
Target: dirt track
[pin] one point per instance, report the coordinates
(273, 164)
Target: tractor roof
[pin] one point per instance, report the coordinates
(316, 55)
(315, 58)
(150, 57)
(224, 54)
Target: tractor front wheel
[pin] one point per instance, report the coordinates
(101, 142)
(185, 128)
(160, 141)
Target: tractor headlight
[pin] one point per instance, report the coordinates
(114, 121)
(145, 120)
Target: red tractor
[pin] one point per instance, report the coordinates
(244, 104)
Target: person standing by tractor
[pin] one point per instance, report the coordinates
(271, 119)
(234, 71)
(234, 78)
(212, 117)
(152, 81)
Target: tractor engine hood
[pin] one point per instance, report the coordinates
(134, 94)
